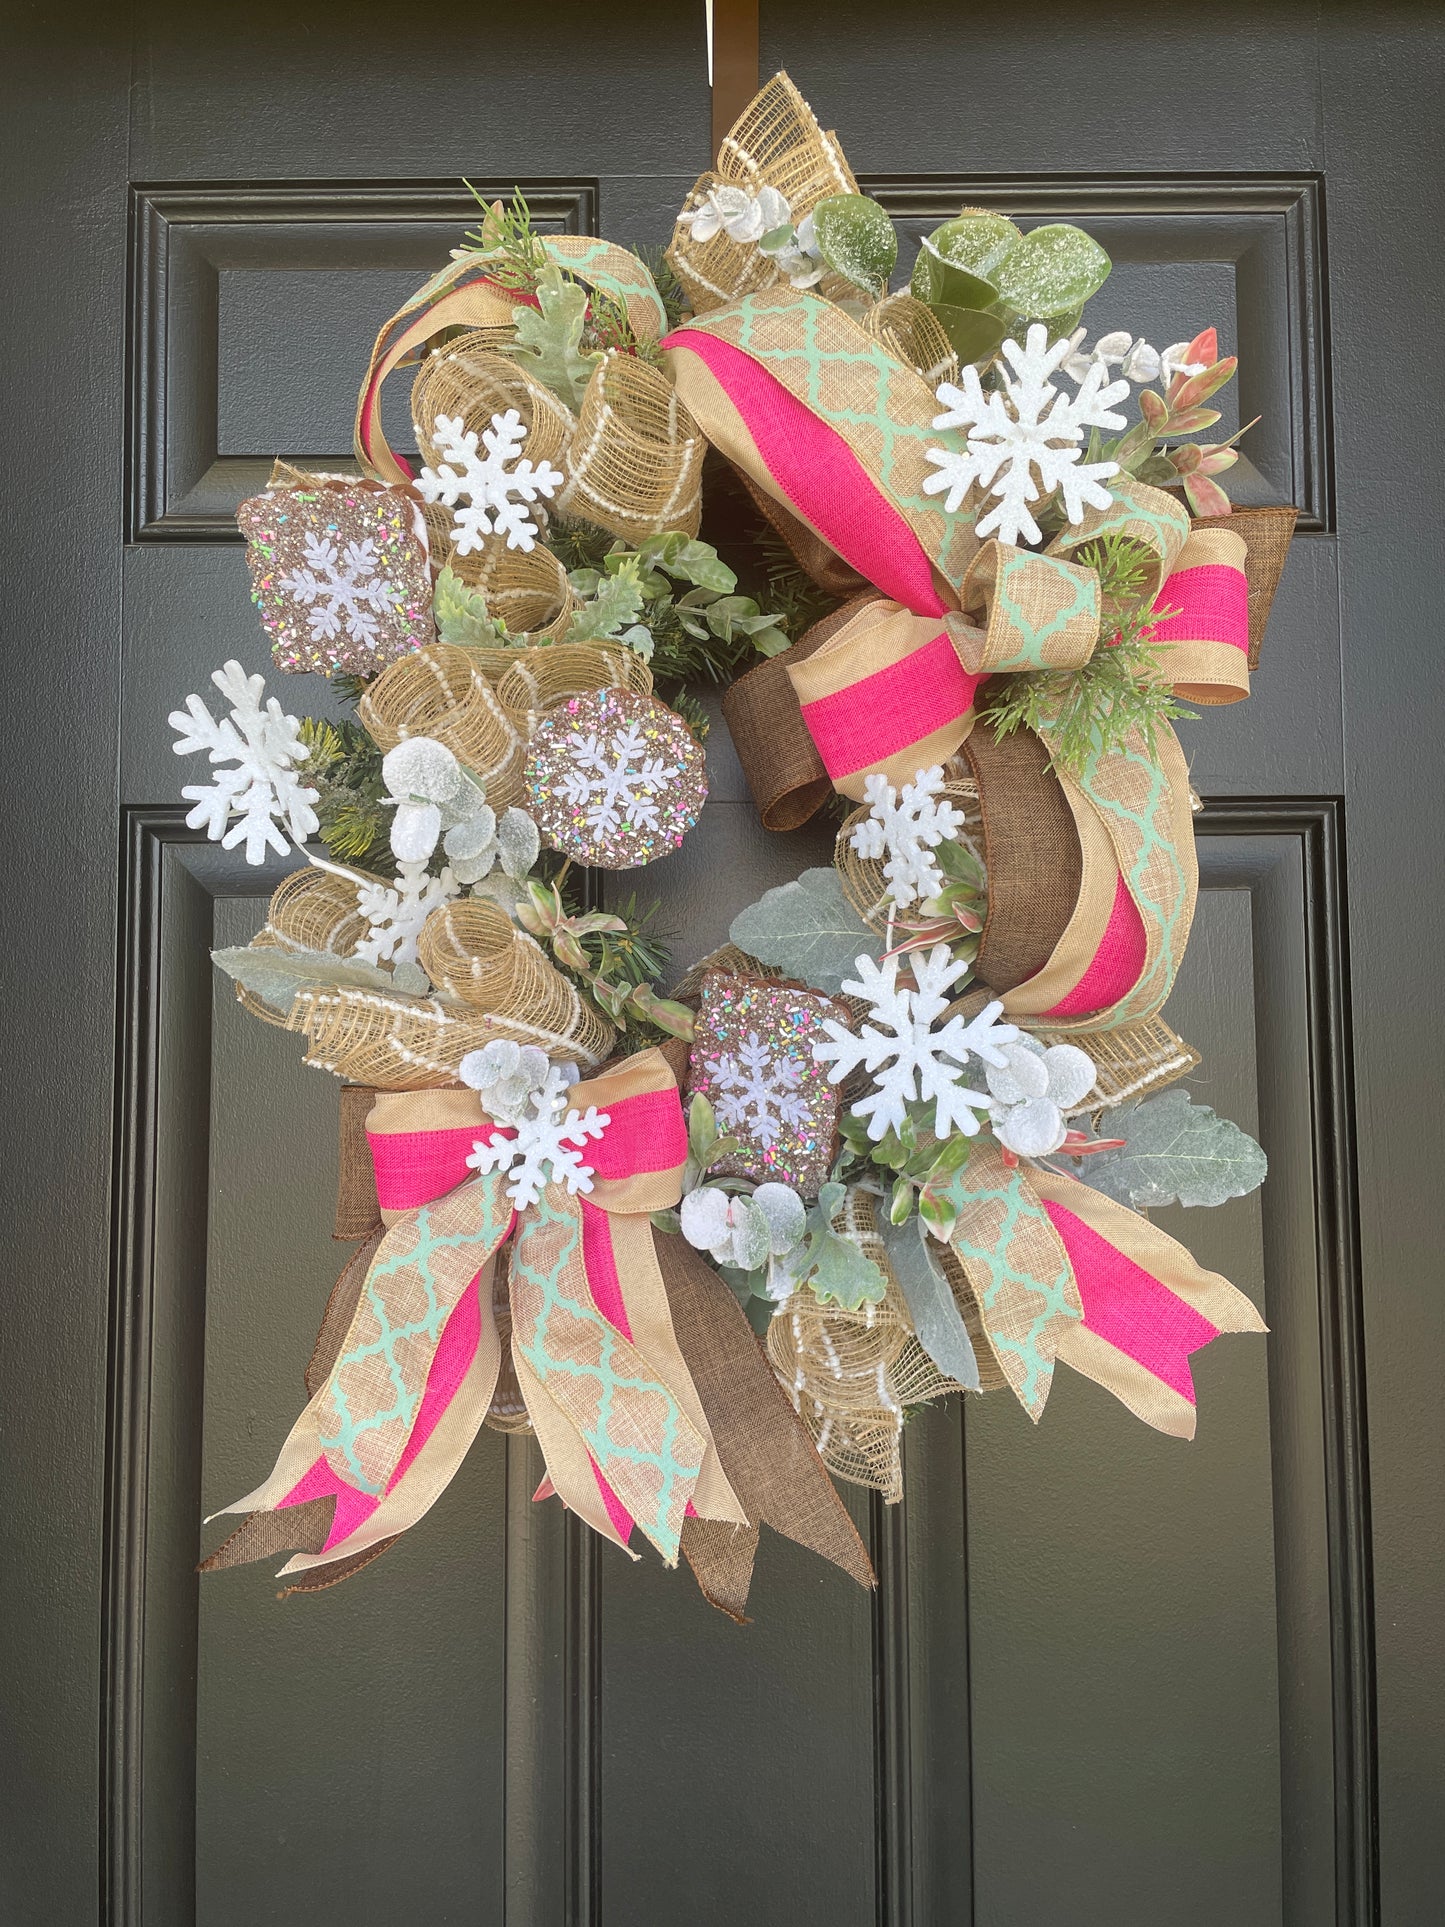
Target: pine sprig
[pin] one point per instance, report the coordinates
(792, 592)
(673, 295)
(507, 234)
(1087, 713)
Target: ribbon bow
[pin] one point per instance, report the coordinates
(619, 1410)
(835, 430)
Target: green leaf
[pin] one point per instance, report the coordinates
(549, 337)
(1052, 271)
(932, 1306)
(1175, 1151)
(808, 929)
(689, 560)
(460, 612)
(957, 263)
(972, 335)
(856, 236)
(276, 975)
(618, 603)
(901, 1208)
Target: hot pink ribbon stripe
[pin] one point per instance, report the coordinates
(874, 718)
(1129, 1308)
(821, 476)
(1213, 605)
(1117, 962)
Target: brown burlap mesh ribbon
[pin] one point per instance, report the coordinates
(634, 464)
(1266, 534)
(440, 692)
(775, 142)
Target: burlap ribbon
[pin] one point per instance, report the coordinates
(1058, 1271)
(607, 1377)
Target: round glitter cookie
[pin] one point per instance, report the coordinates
(615, 779)
(340, 574)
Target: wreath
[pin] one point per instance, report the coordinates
(903, 1128)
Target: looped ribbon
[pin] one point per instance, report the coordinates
(462, 295)
(1056, 1270)
(618, 1409)
(821, 418)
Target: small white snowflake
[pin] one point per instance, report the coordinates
(396, 914)
(906, 826)
(340, 589)
(1027, 426)
(922, 1062)
(757, 1090)
(614, 778)
(547, 1148)
(487, 483)
(263, 789)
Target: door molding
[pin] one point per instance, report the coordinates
(170, 879)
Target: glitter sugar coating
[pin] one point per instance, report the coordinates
(753, 1062)
(340, 575)
(615, 779)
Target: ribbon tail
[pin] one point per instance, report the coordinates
(1018, 1272)
(1146, 1304)
(764, 1447)
(587, 1385)
(399, 1403)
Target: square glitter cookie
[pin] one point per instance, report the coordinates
(340, 574)
(752, 1059)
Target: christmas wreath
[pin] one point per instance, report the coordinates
(903, 1127)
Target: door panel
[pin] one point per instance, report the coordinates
(1106, 1677)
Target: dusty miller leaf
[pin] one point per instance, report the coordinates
(808, 929)
(937, 1320)
(1175, 1151)
(549, 337)
(276, 975)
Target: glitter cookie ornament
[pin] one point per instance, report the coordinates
(615, 779)
(753, 1062)
(339, 572)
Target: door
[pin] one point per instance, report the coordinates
(1106, 1677)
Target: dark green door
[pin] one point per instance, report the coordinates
(1106, 1678)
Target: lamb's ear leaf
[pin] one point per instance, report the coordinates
(808, 929)
(937, 1320)
(276, 975)
(1175, 1151)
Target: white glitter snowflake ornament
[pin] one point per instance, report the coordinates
(906, 826)
(548, 1145)
(922, 1063)
(263, 790)
(1024, 439)
(488, 483)
(615, 779)
(396, 913)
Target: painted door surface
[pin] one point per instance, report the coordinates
(1107, 1677)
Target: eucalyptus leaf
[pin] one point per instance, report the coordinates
(689, 560)
(932, 1306)
(808, 929)
(1175, 1151)
(276, 974)
(856, 236)
(972, 244)
(972, 335)
(1052, 271)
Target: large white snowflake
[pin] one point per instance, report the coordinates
(396, 913)
(1025, 427)
(548, 1145)
(339, 589)
(906, 826)
(263, 789)
(757, 1090)
(612, 776)
(488, 482)
(922, 1062)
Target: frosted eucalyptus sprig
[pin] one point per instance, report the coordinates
(1086, 713)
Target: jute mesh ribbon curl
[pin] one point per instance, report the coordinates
(853, 1373)
(527, 589)
(634, 463)
(440, 692)
(775, 142)
(472, 949)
